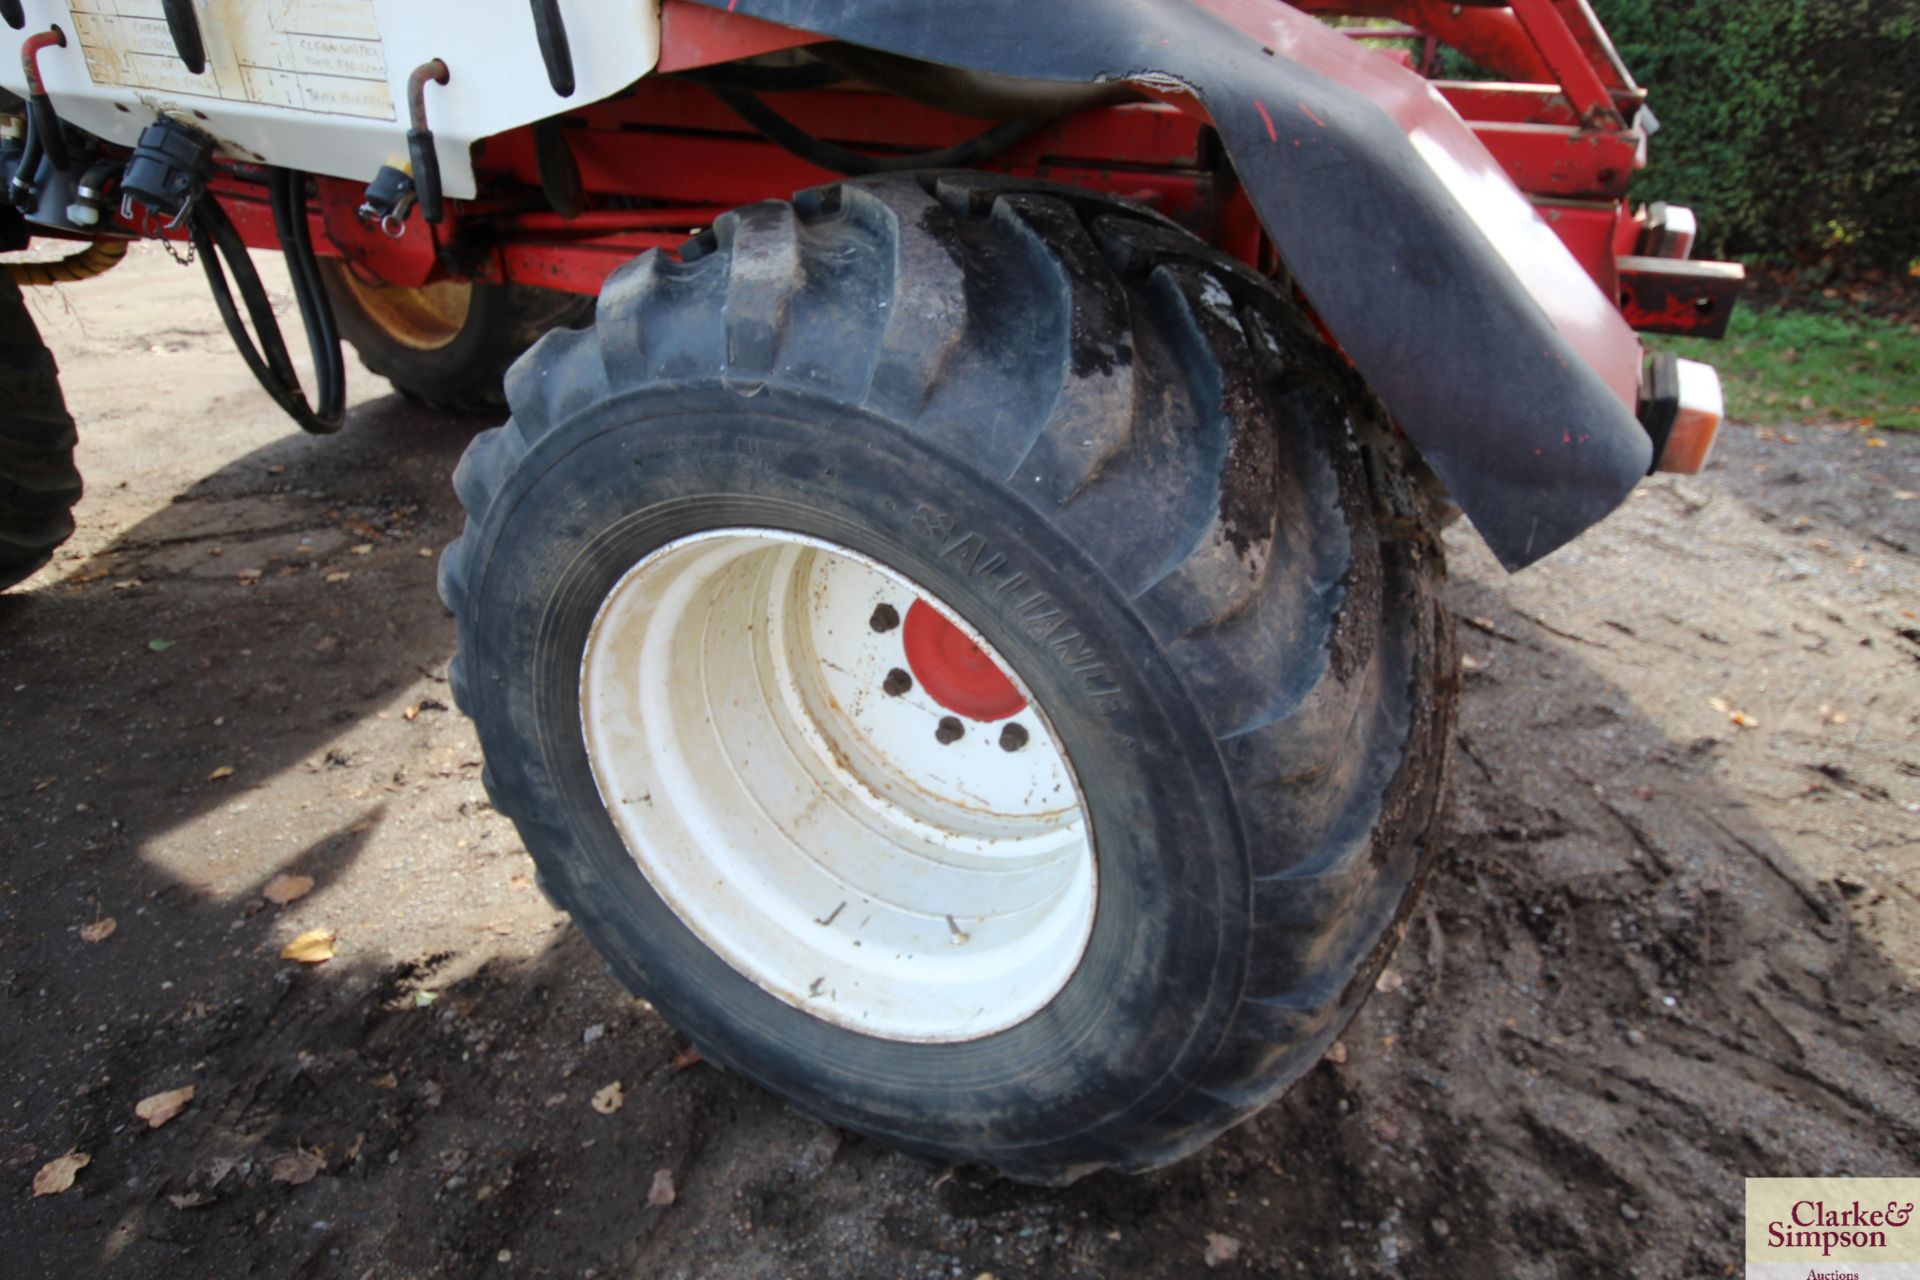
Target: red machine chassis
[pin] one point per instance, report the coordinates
(659, 163)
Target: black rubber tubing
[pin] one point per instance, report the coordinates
(215, 238)
(856, 164)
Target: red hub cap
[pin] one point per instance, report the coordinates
(952, 669)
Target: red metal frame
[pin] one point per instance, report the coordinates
(661, 162)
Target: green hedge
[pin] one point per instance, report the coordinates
(1790, 126)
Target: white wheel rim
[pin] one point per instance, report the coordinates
(808, 823)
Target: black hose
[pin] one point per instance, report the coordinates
(44, 121)
(20, 194)
(289, 201)
(184, 26)
(752, 79)
(826, 155)
(215, 240)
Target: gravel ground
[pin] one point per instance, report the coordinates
(1672, 941)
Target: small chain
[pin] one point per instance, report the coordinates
(186, 259)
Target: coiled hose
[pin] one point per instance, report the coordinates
(95, 259)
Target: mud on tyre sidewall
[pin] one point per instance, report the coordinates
(1156, 942)
(1136, 472)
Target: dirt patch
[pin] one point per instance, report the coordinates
(1672, 940)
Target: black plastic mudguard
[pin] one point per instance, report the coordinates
(1525, 433)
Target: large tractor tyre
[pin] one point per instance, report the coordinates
(447, 345)
(38, 481)
(941, 642)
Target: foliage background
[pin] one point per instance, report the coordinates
(1791, 126)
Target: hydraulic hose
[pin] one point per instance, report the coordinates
(752, 79)
(289, 200)
(43, 123)
(827, 155)
(20, 193)
(215, 240)
(95, 259)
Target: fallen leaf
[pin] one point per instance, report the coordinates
(1388, 982)
(1220, 1250)
(285, 888)
(297, 1167)
(1337, 1053)
(338, 575)
(276, 469)
(421, 999)
(1875, 442)
(224, 771)
(1720, 704)
(1470, 663)
(315, 946)
(610, 1099)
(221, 1166)
(387, 1081)
(191, 1200)
(661, 1193)
(56, 1175)
(127, 584)
(162, 1107)
(326, 643)
(426, 553)
(411, 712)
(688, 1057)
(99, 930)
(363, 549)
(248, 575)
(159, 646)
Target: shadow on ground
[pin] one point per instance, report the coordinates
(1621, 995)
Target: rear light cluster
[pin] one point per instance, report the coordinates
(1682, 409)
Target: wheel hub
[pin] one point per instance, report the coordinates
(425, 318)
(954, 670)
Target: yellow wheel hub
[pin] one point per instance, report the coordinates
(425, 318)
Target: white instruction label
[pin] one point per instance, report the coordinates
(305, 55)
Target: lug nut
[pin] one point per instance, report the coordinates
(948, 732)
(1013, 737)
(896, 683)
(885, 618)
